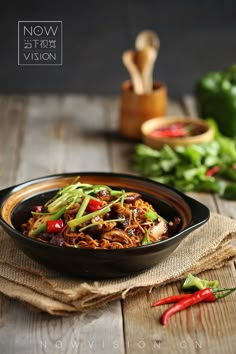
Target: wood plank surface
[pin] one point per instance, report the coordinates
(12, 118)
(53, 134)
(61, 134)
(191, 331)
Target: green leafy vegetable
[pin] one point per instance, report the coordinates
(186, 168)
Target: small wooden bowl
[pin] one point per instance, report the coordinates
(157, 143)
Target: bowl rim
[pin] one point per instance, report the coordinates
(158, 86)
(196, 221)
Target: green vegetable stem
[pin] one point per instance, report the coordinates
(55, 216)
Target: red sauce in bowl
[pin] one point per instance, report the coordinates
(177, 130)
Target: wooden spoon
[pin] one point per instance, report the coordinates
(147, 44)
(128, 58)
(145, 59)
(147, 38)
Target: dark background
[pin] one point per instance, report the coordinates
(196, 37)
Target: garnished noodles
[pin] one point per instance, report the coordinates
(96, 216)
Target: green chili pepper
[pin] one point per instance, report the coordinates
(193, 283)
(216, 98)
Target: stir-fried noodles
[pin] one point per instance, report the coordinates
(96, 216)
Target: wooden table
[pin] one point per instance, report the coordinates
(41, 135)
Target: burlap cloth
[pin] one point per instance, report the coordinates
(208, 247)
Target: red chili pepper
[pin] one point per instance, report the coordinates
(195, 298)
(212, 171)
(37, 208)
(171, 299)
(176, 298)
(55, 225)
(94, 205)
(206, 294)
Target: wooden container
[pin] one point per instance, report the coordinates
(136, 109)
(206, 134)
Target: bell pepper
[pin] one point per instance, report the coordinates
(216, 98)
(94, 205)
(55, 225)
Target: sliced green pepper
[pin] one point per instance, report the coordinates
(192, 284)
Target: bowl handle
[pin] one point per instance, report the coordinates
(202, 213)
(4, 193)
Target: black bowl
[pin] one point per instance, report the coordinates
(17, 202)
